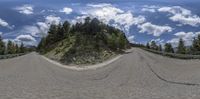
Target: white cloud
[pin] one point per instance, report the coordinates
(25, 9)
(26, 39)
(131, 39)
(112, 15)
(41, 28)
(158, 40)
(52, 19)
(186, 36)
(181, 15)
(190, 20)
(175, 10)
(67, 10)
(148, 10)
(155, 30)
(3, 23)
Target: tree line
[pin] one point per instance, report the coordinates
(194, 49)
(11, 48)
(90, 34)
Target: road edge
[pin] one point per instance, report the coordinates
(89, 67)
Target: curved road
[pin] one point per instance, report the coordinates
(136, 75)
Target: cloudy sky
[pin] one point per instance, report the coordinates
(142, 20)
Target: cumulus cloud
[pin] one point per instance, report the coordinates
(175, 10)
(112, 15)
(3, 23)
(25, 9)
(158, 41)
(131, 39)
(186, 36)
(181, 15)
(41, 28)
(67, 10)
(25, 39)
(149, 8)
(155, 30)
(52, 19)
(190, 20)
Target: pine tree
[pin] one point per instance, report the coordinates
(10, 47)
(169, 48)
(2, 46)
(17, 48)
(198, 43)
(181, 47)
(66, 29)
(194, 46)
(153, 45)
(160, 47)
(22, 48)
(147, 45)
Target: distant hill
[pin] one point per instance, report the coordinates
(83, 43)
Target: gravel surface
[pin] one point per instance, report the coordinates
(136, 75)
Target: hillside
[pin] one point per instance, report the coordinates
(83, 43)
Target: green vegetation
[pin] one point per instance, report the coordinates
(11, 48)
(83, 43)
(181, 47)
(182, 51)
(169, 48)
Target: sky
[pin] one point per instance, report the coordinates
(164, 21)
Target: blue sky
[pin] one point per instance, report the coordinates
(142, 20)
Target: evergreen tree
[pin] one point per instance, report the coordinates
(160, 47)
(153, 45)
(66, 29)
(10, 47)
(2, 46)
(198, 43)
(22, 48)
(90, 35)
(17, 50)
(181, 47)
(147, 45)
(194, 46)
(169, 48)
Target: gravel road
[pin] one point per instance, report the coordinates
(135, 75)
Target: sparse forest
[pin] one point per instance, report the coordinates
(194, 49)
(83, 43)
(11, 48)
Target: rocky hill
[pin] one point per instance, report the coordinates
(89, 42)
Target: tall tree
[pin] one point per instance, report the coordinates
(181, 47)
(153, 45)
(169, 48)
(2, 46)
(17, 50)
(198, 43)
(194, 46)
(147, 45)
(10, 47)
(22, 48)
(160, 47)
(66, 28)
